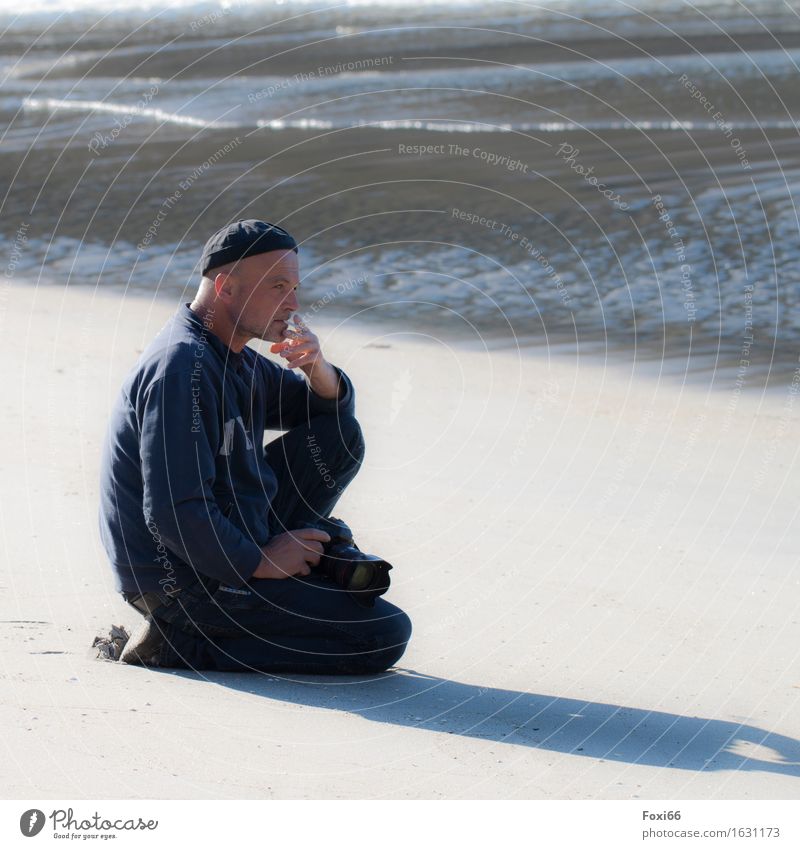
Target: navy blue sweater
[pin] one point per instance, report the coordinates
(184, 483)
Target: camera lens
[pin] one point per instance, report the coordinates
(361, 577)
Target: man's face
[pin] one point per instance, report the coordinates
(265, 296)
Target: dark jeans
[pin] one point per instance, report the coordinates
(303, 625)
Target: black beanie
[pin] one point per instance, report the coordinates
(243, 239)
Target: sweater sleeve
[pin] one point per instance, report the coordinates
(291, 401)
(179, 432)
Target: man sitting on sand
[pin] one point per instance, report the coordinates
(209, 531)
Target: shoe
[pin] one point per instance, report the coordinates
(110, 647)
(144, 647)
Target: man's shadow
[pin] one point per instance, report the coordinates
(571, 726)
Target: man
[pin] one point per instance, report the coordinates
(208, 531)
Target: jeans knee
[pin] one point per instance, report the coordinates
(391, 641)
(343, 432)
(352, 437)
(400, 629)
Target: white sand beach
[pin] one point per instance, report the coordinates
(601, 566)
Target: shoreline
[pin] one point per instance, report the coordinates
(720, 369)
(396, 229)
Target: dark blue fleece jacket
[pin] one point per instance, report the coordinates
(184, 483)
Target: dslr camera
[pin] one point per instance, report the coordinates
(364, 576)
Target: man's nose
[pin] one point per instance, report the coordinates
(292, 302)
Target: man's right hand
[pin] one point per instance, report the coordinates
(292, 553)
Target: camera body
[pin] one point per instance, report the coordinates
(364, 576)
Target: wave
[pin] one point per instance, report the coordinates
(52, 104)
(50, 7)
(534, 126)
(233, 6)
(104, 14)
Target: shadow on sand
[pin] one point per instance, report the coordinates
(588, 729)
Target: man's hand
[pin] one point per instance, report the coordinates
(300, 348)
(292, 553)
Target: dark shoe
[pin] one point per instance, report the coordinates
(144, 647)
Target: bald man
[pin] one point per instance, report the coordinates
(208, 530)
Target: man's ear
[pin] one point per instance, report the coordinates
(224, 284)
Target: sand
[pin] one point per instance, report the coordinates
(600, 561)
